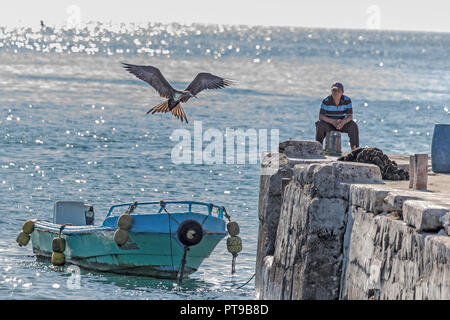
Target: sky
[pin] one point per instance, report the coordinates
(412, 15)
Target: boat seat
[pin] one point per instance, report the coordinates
(76, 213)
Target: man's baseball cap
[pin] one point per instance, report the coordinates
(338, 85)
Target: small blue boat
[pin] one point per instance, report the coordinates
(161, 238)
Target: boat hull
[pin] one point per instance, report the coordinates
(153, 248)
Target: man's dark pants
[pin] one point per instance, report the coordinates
(351, 128)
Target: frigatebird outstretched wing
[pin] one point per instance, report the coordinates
(206, 81)
(153, 77)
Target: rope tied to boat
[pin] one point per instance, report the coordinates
(225, 213)
(163, 206)
(131, 208)
(63, 227)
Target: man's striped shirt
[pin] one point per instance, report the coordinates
(330, 109)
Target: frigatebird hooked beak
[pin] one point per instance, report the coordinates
(174, 97)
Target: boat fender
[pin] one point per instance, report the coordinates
(190, 232)
(28, 226)
(234, 245)
(58, 244)
(23, 239)
(24, 236)
(58, 258)
(124, 222)
(58, 247)
(233, 228)
(120, 237)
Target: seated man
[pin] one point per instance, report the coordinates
(336, 115)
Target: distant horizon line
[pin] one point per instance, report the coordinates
(60, 26)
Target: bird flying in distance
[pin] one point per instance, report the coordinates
(174, 97)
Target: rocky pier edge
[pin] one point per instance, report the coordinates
(335, 230)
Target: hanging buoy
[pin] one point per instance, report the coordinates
(234, 245)
(28, 226)
(58, 258)
(58, 244)
(124, 222)
(23, 239)
(233, 228)
(190, 232)
(120, 237)
(58, 247)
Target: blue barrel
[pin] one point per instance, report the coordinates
(440, 148)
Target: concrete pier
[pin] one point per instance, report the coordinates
(338, 231)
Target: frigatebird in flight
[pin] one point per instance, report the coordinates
(174, 97)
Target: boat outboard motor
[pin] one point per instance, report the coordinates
(90, 216)
(190, 233)
(77, 213)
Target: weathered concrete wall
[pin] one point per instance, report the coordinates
(338, 232)
(398, 251)
(274, 167)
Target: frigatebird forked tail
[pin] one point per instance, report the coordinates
(177, 111)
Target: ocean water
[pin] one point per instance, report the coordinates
(73, 127)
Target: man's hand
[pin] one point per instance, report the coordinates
(333, 122)
(337, 123)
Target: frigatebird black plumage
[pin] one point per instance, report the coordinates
(174, 97)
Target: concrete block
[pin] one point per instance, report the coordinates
(300, 148)
(332, 179)
(423, 215)
(368, 197)
(394, 200)
(353, 172)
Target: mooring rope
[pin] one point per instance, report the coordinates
(210, 208)
(62, 228)
(239, 287)
(225, 213)
(131, 208)
(247, 281)
(163, 206)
